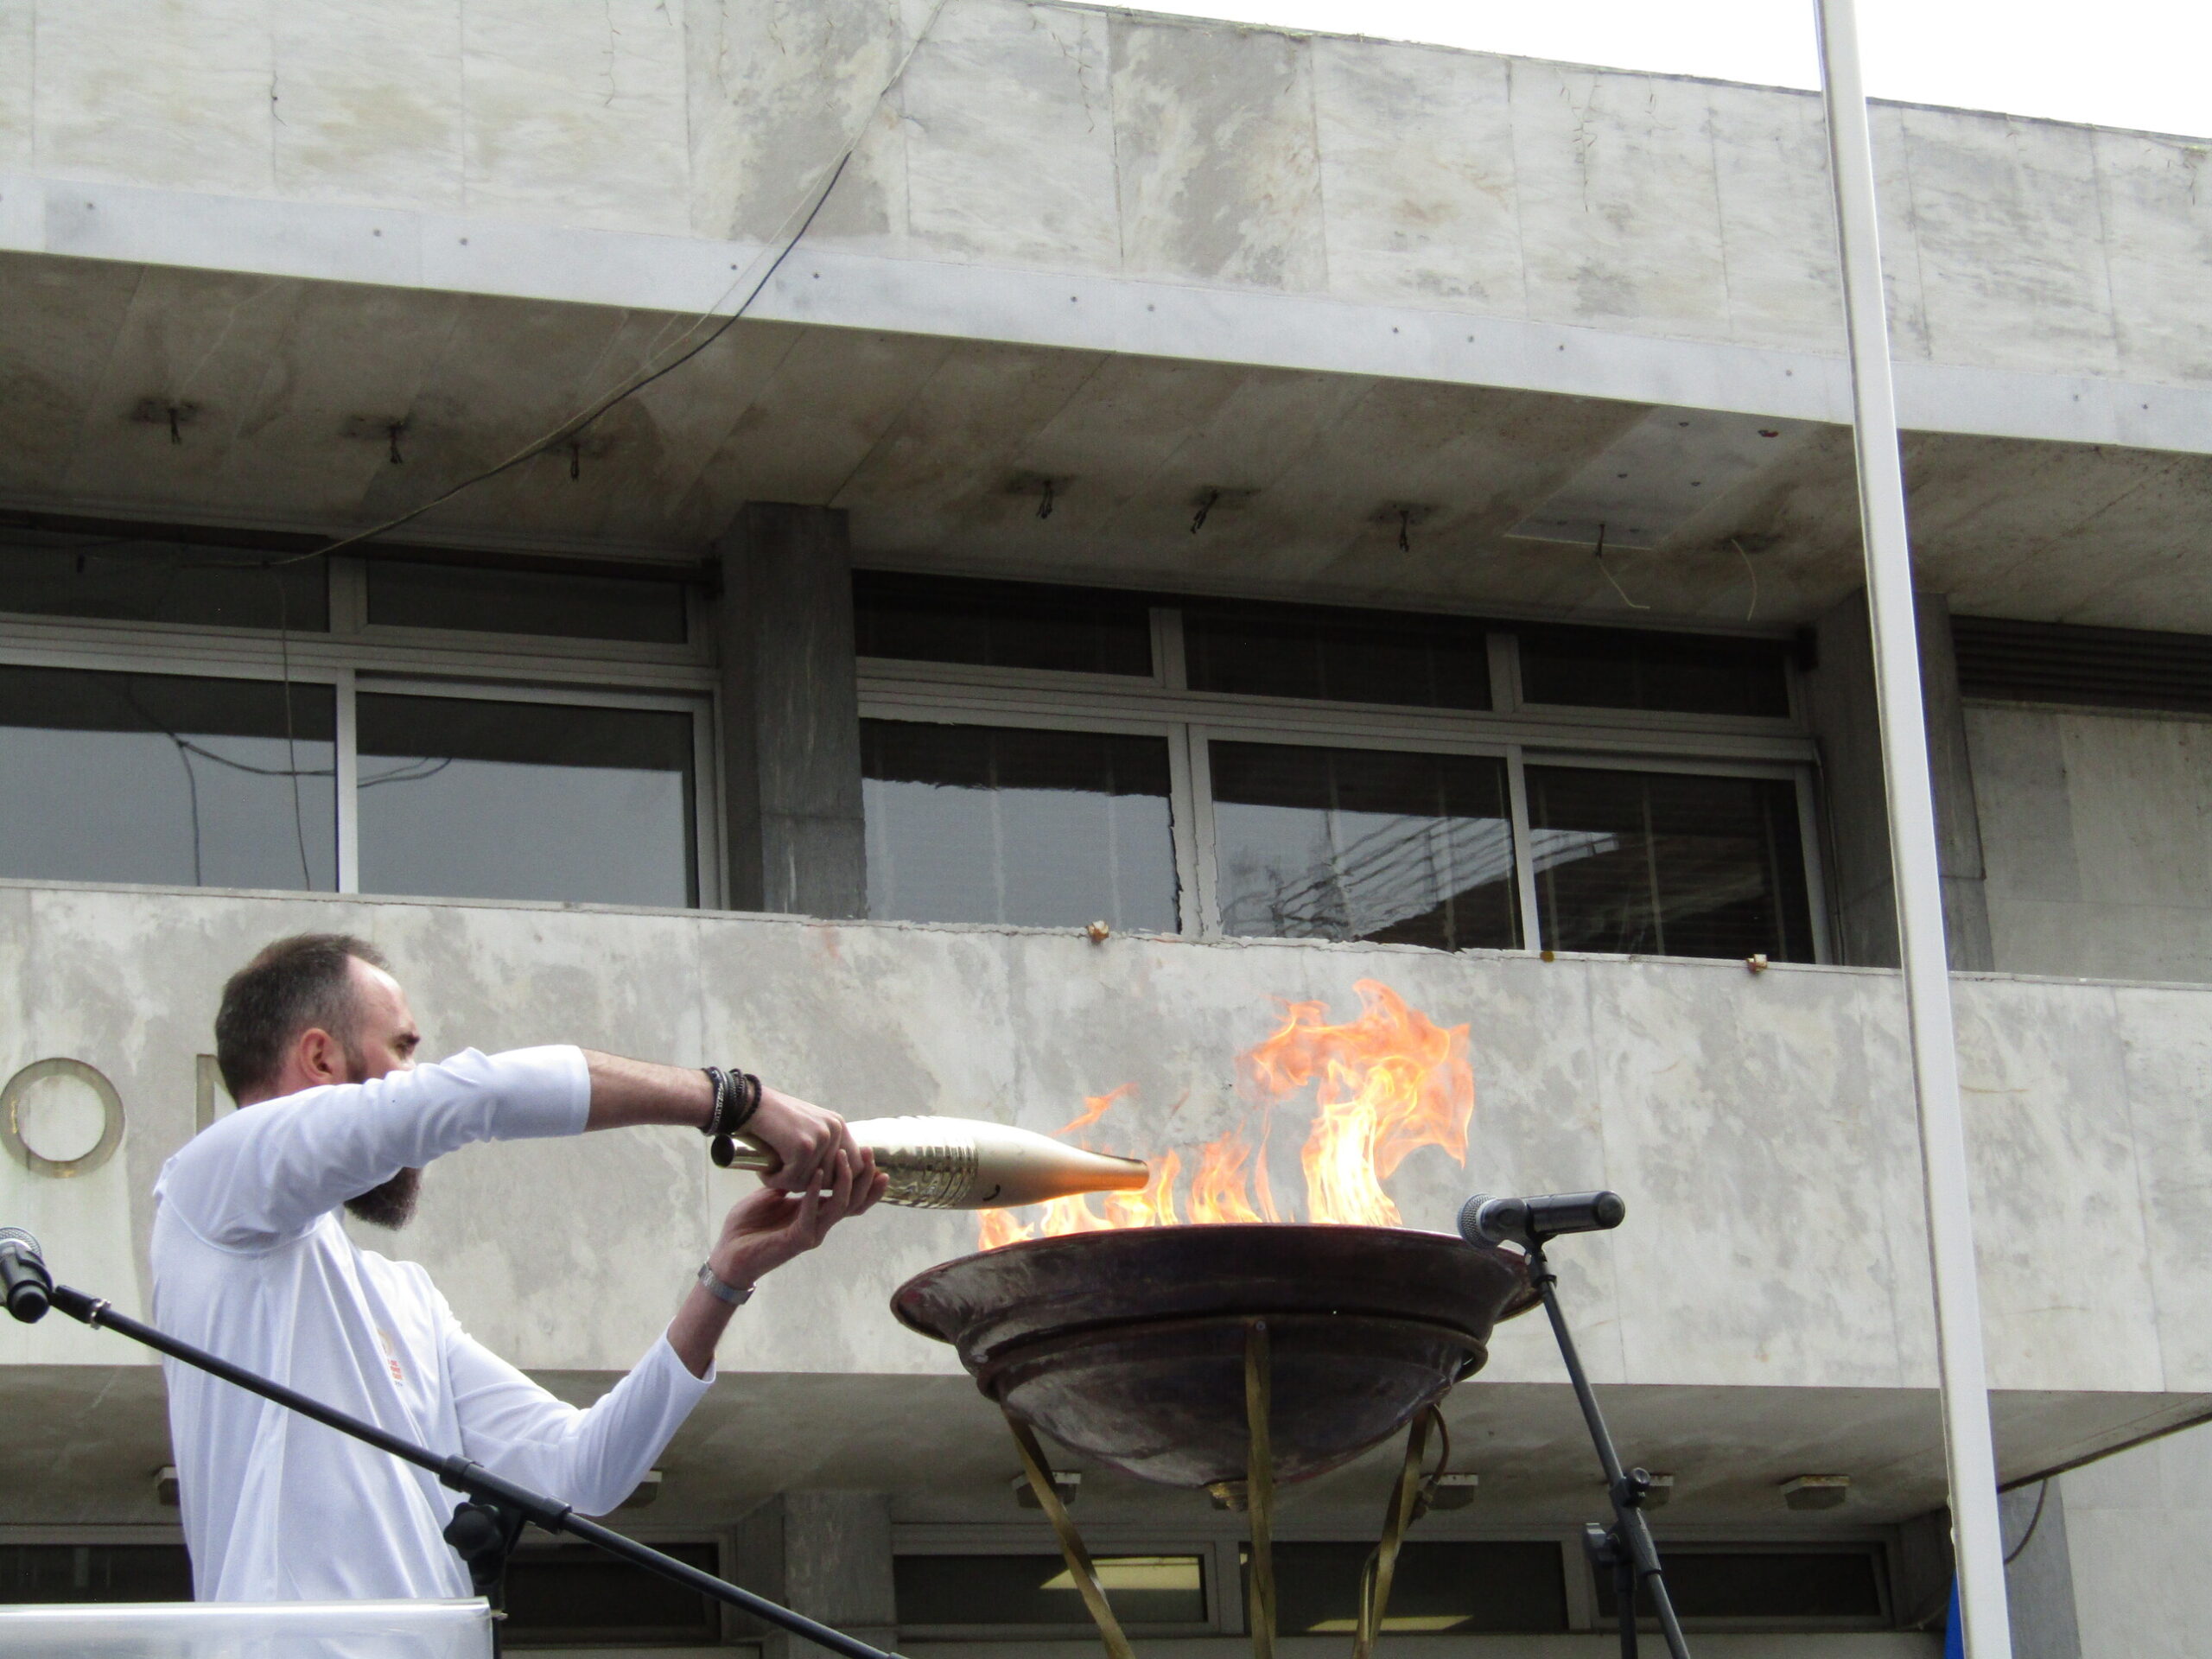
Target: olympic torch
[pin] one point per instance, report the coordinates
(957, 1163)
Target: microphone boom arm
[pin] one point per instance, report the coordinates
(509, 1504)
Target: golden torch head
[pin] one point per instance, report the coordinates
(958, 1163)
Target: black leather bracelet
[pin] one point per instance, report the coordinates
(746, 1088)
(718, 1080)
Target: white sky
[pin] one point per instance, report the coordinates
(2118, 63)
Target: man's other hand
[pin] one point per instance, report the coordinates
(808, 1139)
(767, 1227)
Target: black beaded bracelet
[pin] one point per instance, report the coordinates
(737, 1097)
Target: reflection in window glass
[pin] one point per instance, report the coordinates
(569, 1595)
(980, 824)
(131, 578)
(1460, 1588)
(1001, 624)
(87, 1573)
(468, 798)
(956, 1589)
(1842, 1583)
(158, 778)
(1629, 667)
(1668, 864)
(1354, 844)
(1290, 650)
(411, 594)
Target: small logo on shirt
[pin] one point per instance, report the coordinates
(391, 1356)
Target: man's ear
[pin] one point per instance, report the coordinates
(321, 1057)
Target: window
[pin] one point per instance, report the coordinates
(1315, 843)
(1289, 650)
(982, 824)
(1293, 771)
(1001, 624)
(1635, 668)
(480, 798)
(90, 1572)
(1455, 1588)
(1667, 863)
(574, 1595)
(1838, 1586)
(412, 593)
(130, 574)
(167, 778)
(1037, 1592)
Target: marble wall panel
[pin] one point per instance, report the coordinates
(1219, 156)
(368, 103)
(775, 94)
(577, 114)
(1009, 138)
(2157, 202)
(2040, 1076)
(1778, 220)
(1417, 178)
(2010, 241)
(1620, 211)
(180, 96)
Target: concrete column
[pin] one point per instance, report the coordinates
(2039, 1580)
(791, 714)
(1839, 700)
(826, 1554)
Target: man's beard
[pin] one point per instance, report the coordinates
(391, 1205)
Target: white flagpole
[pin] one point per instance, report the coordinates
(1918, 881)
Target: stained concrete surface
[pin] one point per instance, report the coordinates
(1765, 1310)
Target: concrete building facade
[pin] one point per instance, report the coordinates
(1337, 513)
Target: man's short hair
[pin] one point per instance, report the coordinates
(294, 985)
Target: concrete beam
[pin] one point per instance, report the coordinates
(1839, 699)
(791, 714)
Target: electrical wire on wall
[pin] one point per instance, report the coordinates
(572, 430)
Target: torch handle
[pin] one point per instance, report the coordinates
(741, 1152)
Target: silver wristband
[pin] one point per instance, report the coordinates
(720, 1292)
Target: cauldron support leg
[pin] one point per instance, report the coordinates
(1260, 1487)
(1409, 1503)
(1072, 1549)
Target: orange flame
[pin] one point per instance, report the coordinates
(1385, 1084)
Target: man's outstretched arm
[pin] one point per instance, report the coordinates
(627, 1093)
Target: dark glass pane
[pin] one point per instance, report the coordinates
(569, 1595)
(1288, 651)
(1680, 673)
(1001, 624)
(467, 799)
(1363, 844)
(1439, 1588)
(159, 778)
(129, 579)
(1669, 864)
(75, 1573)
(982, 823)
(1839, 1583)
(939, 1589)
(407, 594)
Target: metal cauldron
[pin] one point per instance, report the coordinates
(1130, 1346)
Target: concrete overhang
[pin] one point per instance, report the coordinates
(1764, 1312)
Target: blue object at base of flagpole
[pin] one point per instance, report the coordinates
(1955, 1629)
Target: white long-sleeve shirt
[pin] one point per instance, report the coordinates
(250, 1260)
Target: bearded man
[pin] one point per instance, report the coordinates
(317, 1046)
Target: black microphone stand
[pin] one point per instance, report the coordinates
(1627, 1548)
(484, 1529)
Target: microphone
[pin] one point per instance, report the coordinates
(24, 1278)
(1529, 1222)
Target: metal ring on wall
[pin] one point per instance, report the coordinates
(11, 1133)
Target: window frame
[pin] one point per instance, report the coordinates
(1520, 734)
(546, 670)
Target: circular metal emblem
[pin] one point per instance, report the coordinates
(11, 1112)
